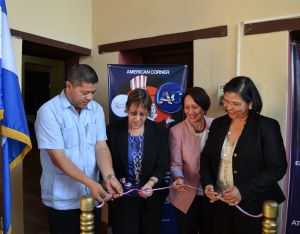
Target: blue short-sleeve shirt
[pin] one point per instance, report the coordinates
(59, 126)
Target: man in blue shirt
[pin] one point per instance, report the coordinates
(71, 136)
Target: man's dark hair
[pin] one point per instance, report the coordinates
(82, 73)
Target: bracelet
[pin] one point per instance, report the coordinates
(108, 177)
(178, 177)
(154, 182)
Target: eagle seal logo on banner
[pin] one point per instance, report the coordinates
(168, 97)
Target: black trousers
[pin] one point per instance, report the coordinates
(229, 220)
(197, 219)
(68, 221)
(136, 215)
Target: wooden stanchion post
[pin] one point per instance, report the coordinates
(270, 213)
(1, 225)
(87, 216)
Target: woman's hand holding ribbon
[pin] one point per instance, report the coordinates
(232, 196)
(178, 186)
(145, 193)
(210, 193)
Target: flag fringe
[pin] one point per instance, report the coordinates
(20, 157)
(1, 114)
(19, 136)
(16, 135)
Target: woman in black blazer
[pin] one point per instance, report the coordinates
(139, 149)
(242, 161)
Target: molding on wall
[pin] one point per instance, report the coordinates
(272, 26)
(168, 39)
(37, 43)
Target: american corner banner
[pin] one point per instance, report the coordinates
(166, 85)
(293, 213)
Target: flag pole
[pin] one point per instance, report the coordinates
(15, 129)
(1, 185)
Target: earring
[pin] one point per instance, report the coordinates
(250, 107)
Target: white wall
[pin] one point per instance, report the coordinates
(119, 20)
(67, 21)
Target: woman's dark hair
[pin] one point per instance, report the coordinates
(82, 73)
(199, 96)
(245, 87)
(139, 97)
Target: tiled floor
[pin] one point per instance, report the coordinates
(35, 213)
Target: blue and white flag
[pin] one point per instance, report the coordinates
(15, 135)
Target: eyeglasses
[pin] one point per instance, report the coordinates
(234, 104)
(142, 115)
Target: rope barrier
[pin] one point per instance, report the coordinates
(128, 185)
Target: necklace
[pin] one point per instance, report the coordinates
(204, 126)
(225, 177)
(225, 174)
(137, 155)
(237, 135)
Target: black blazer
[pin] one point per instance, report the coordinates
(258, 162)
(156, 155)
